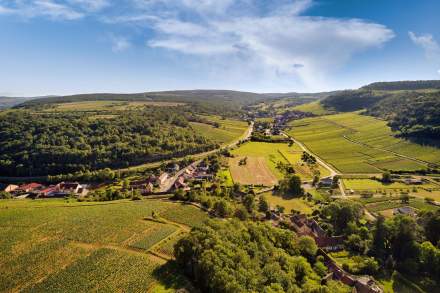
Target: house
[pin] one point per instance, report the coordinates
(326, 182)
(11, 188)
(173, 168)
(413, 181)
(145, 186)
(48, 191)
(162, 178)
(304, 226)
(180, 184)
(69, 187)
(408, 211)
(30, 187)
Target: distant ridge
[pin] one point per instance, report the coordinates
(403, 85)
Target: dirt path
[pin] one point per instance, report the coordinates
(333, 171)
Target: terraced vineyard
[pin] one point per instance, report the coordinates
(354, 143)
(54, 245)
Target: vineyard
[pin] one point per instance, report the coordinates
(186, 214)
(55, 245)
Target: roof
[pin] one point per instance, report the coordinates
(30, 186)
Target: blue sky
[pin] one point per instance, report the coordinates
(78, 46)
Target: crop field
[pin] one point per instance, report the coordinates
(108, 105)
(154, 236)
(273, 153)
(167, 247)
(288, 203)
(255, 171)
(185, 214)
(392, 203)
(354, 143)
(313, 107)
(427, 189)
(228, 132)
(54, 245)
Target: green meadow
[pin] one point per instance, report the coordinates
(228, 132)
(55, 245)
(354, 143)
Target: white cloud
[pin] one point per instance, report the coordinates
(282, 44)
(41, 8)
(119, 43)
(428, 44)
(90, 5)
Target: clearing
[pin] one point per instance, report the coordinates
(108, 106)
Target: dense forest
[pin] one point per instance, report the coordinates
(413, 114)
(348, 101)
(236, 256)
(404, 85)
(48, 144)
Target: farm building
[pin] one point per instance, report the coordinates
(162, 178)
(11, 188)
(326, 182)
(407, 211)
(30, 187)
(413, 181)
(309, 227)
(48, 191)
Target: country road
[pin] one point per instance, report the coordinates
(170, 182)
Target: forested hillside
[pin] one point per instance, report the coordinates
(49, 143)
(412, 113)
(404, 85)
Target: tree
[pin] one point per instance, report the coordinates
(292, 186)
(263, 205)
(355, 244)
(404, 197)
(341, 213)
(432, 228)
(5, 195)
(222, 208)
(241, 213)
(386, 177)
(307, 247)
(249, 202)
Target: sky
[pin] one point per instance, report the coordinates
(59, 47)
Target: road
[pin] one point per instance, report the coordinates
(170, 182)
(333, 171)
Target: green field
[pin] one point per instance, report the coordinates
(313, 107)
(54, 245)
(288, 203)
(392, 203)
(107, 106)
(228, 132)
(354, 143)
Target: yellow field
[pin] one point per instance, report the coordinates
(254, 172)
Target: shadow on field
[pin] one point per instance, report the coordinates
(170, 277)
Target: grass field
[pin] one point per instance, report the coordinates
(354, 143)
(54, 245)
(288, 203)
(108, 105)
(228, 132)
(424, 190)
(313, 107)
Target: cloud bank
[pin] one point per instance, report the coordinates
(269, 40)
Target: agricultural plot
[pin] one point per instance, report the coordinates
(355, 143)
(314, 108)
(273, 153)
(185, 214)
(228, 131)
(288, 203)
(388, 203)
(167, 247)
(426, 189)
(108, 106)
(54, 245)
(254, 172)
(154, 236)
